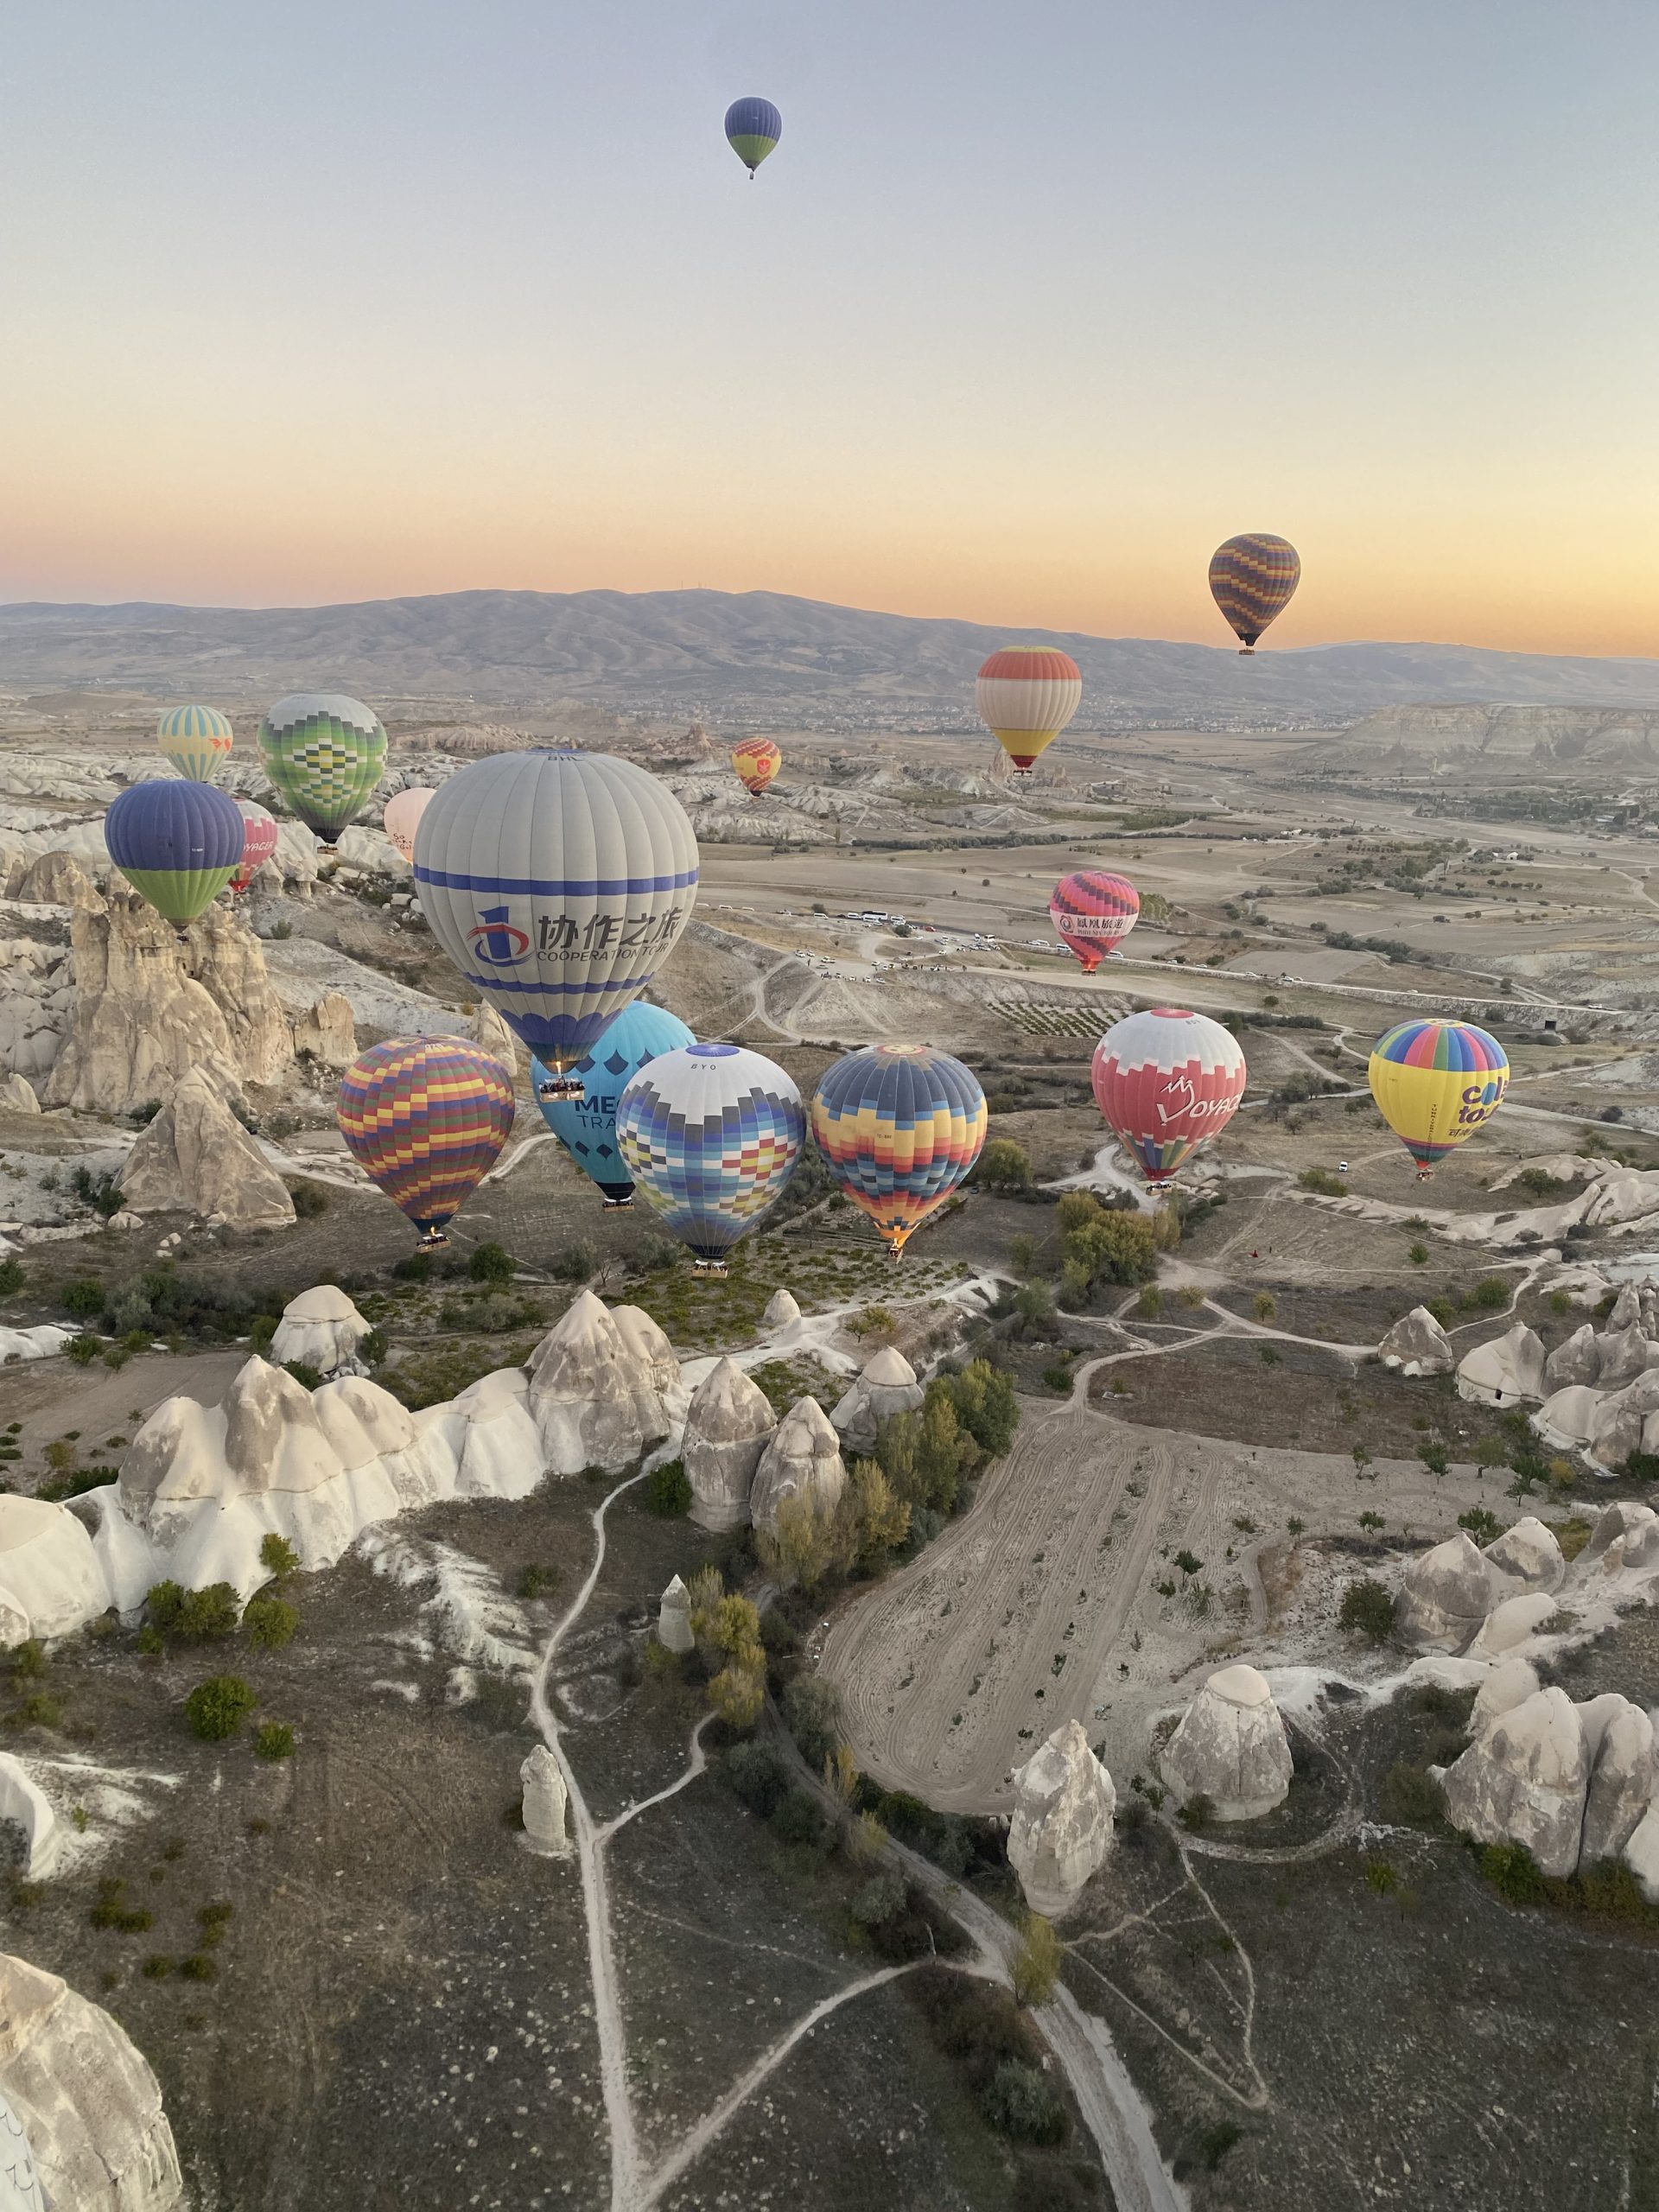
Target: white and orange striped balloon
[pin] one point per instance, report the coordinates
(1025, 696)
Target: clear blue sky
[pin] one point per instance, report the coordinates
(1031, 307)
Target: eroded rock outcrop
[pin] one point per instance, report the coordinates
(223, 954)
(1061, 1828)
(1446, 1594)
(1525, 1781)
(1618, 1737)
(1513, 1622)
(321, 1329)
(196, 1158)
(595, 1404)
(781, 1309)
(326, 1031)
(545, 1801)
(24, 1805)
(1578, 1360)
(802, 1460)
(1417, 1344)
(17, 1095)
(88, 2103)
(1511, 1682)
(50, 1581)
(492, 1035)
(674, 1618)
(1528, 1554)
(886, 1386)
(1622, 1355)
(1505, 1370)
(1230, 1747)
(728, 1425)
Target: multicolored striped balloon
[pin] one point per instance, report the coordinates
(195, 739)
(1093, 912)
(425, 1119)
(324, 754)
(1436, 1083)
(1166, 1082)
(900, 1126)
(260, 840)
(586, 1127)
(757, 760)
(177, 843)
(711, 1134)
(1252, 578)
(752, 129)
(1025, 696)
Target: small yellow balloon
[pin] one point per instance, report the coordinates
(1436, 1083)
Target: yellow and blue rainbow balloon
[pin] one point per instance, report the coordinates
(900, 1126)
(1435, 1082)
(425, 1119)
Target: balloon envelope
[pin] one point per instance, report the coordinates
(403, 817)
(557, 883)
(1166, 1082)
(195, 739)
(260, 839)
(1092, 912)
(425, 1118)
(1025, 696)
(753, 129)
(1436, 1083)
(757, 760)
(1252, 577)
(710, 1133)
(900, 1126)
(177, 843)
(586, 1127)
(324, 753)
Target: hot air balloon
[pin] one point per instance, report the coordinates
(1252, 577)
(1027, 694)
(403, 817)
(753, 129)
(260, 838)
(177, 843)
(900, 1126)
(1435, 1084)
(425, 1118)
(710, 1133)
(1093, 912)
(324, 753)
(195, 739)
(1166, 1082)
(757, 760)
(586, 1127)
(558, 883)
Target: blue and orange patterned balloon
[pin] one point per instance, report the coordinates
(1436, 1083)
(711, 1134)
(900, 1126)
(1252, 578)
(425, 1119)
(586, 1127)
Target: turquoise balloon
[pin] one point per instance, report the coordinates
(586, 1127)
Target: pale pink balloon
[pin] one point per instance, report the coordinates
(403, 818)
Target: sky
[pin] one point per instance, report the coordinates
(317, 300)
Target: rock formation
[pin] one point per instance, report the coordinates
(1512, 1624)
(644, 1341)
(780, 1311)
(55, 879)
(88, 2103)
(594, 1404)
(492, 1035)
(1623, 1355)
(223, 954)
(37, 1004)
(1417, 1344)
(1528, 1554)
(1578, 1360)
(321, 1329)
(802, 1460)
(887, 1385)
(1625, 1535)
(1624, 1422)
(1525, 1781)
(50, 1583)
(1567, 1418)
(728, 1424)
(674, 1618)
(1061, 1828)
(1505, 1370)
(1446, 1594)
(24, 1805)
(326, 1031)
(1619, 1738)
(196, 1158)
(545, 1800)
(1230, 1747)
(1511, 1682)
(17, 1095)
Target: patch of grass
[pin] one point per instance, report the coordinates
(274, 1739)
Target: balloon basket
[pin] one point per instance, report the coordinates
(713, 1269)
(560, 1086)
(616, 1205)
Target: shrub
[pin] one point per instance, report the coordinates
(1019, 2103)
(1433, 1457)
(307, 1377)
(1418, 1255)
(217, 1707)
(757, 1776)
(309, 1199)
(667, 1489)
(535, 1581)
(84, 1349)
(278, 1557)
(274, 1739)
(414, 1267)
(885, 1894)
(192, 1616)
(1037, 1966)
(812, 1713)
(491, 1263)
(1411, 1794)
(199, 1966)
(1004, 1166)
(1513, 1873)
(269, 1622)
(575, 1264)
(739, 1692)
(1321, 1181)
(1485, 1528)
(1265, 1306)
(1368, 1610)
(12, 1277)
(1381, 1877)
(798, 1819)
(1491, 1291)
(39, 1710)
(1150, 1304)
(28, 1660)
(111, 1909)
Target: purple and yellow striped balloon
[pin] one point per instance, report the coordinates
(425, 1119)
(1252, 578)
(900, 1126)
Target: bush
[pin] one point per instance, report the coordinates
(192, 1616)
(1513, 1873)
(278, 1557)
(1323, 1181)
(269, 1622)
(1019, 2103)
(1368, 1610)
(1418, 1255)
(12, 1277)
(274, 1739)
(1265, 1307)
(812, 1714)
(1037, 1966)
(1485, 1528)
(84, 1349)
(307, 1377)
(757, 1776)
(310, 1199)
(1004, 1166)
(1101, 1245)
(798, 1819)
(414, 1267)
(491, 1263)
(1492, 1293)
(1411, 1794)
(111, 1909)
(217, 1708)
(883, 1896)
(667, 1489)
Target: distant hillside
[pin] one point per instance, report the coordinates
(1556, 740)
(754, 656)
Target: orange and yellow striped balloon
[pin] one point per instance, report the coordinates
(757, 760)
(1025, 696)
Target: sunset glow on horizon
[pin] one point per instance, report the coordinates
(1025, 315)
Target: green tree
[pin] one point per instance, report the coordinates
(667, 1489)
(1004, 1166)
(491, 1263)
(278, 1557)
(1368, 1610)
(983, 1399)
(812, 1713)
(882, 1519)
(217, 1708)
(269, 1622)
(1265, 1306)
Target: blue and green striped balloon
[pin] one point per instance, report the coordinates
(752, 129)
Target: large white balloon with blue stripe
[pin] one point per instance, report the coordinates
(558, 883)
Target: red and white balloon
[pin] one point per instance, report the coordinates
(259, 841)
(1167, 1081)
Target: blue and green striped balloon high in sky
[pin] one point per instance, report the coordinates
(752, 129)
